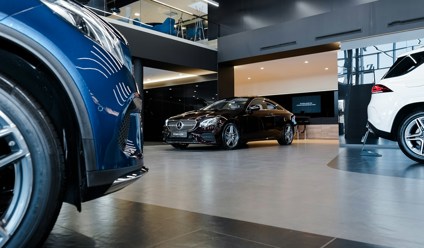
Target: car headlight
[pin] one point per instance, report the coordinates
(91, 26)
(208, 123)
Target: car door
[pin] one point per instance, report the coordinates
(275, 119)
(256, 120)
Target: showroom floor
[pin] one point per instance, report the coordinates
(309, 194)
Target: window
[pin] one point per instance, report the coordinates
(258, 102)
(270, 105)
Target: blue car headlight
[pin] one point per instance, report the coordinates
(90, 25)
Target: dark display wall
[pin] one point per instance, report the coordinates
(318, 107)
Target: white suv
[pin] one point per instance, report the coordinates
(396, 109)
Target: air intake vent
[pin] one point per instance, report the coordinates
(124, 130)
(279, 45)
(404, 22)
(355, 31)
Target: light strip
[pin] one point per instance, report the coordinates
(216, 4)
(167, 79)
(170, 6)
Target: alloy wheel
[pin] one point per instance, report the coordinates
(231, 136)
(288, 134)
(16, 177)
(414, 136)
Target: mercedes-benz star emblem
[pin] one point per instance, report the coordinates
(180, 125)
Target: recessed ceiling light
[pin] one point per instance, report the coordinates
(249, 78)
(306, 62)
(262, 68)
(137, 14)
(326, 68)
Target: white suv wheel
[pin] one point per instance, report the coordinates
(411, 136)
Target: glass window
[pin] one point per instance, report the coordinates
(258, 102)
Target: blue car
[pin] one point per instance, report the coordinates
(70, 122)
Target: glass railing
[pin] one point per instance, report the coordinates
(187, 22)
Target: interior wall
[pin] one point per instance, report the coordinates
(301, 74)
(299, 84)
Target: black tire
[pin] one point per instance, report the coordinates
(411, 136)
(180, 146)
(287, 135)
(230, 136)
(31, 170)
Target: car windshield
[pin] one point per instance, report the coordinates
(227, 104)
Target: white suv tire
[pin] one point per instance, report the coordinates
(411, 136)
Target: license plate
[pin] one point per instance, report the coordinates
(180, 134)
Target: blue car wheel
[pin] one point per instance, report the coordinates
(31, 169)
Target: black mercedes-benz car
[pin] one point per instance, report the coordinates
(231, 122)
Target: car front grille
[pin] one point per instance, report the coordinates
(181, 125)
(124, 130)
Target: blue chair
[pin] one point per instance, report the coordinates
(166, 27)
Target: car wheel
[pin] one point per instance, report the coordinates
(411, 136)
(31, 170)
(287, 135)
(230, 136)
(179, 146)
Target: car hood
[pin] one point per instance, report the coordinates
(201, 114)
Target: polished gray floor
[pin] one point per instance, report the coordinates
(307, 187)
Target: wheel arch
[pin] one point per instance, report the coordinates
(402, 113)
(60, 99)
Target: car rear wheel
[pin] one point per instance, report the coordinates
(411, 136)
(287, 135)
(230, 136)
(31, 170)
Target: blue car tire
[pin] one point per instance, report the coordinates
(31, 169)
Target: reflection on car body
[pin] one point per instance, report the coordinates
(231, 123)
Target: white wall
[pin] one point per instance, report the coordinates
(288, 76)
(287, 86)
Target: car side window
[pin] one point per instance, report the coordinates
(259, 103)
(270, 105)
